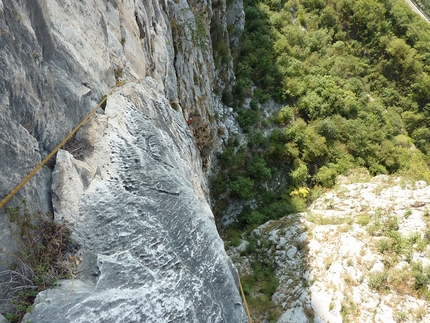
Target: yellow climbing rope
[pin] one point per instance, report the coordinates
(61, 144)
(245, 304)
(39, 166)
(43, 162)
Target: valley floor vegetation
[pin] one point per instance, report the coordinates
(353, 80)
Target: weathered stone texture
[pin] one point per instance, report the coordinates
(137, 197)
(138, 207)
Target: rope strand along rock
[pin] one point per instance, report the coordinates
(52, 153)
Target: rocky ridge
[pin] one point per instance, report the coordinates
(359, 254)
(132, 186)
(155, 249)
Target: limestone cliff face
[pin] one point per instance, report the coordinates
(137, 196)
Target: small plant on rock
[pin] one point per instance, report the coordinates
(378, 281)
(40, 262)
(363, 220)
(400, 317)
(408, 213)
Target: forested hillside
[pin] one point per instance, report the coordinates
(353, 80)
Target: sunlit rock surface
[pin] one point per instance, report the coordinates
(150, 249)
(135, 193)
(357, 254)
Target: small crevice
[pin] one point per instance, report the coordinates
(141, 27)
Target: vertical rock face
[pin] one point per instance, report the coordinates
(137, 196)
(150, 248)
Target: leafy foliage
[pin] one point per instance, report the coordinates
(354, 77)
(41, 261)
(242, 187)
(257, 169)
(353, 80)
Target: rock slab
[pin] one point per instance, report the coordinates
(150, 249)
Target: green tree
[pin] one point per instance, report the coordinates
(412, 120)
(285, 115)
(421, 138)
(247, 118)
(327, 128)
(242, 188)
(325, 176)
(299, 175)
(258, 170)
(314, 147)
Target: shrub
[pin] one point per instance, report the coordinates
(378, 281)
(325, 176)
(248, 118)
(257, 140)
(276, 210)
(229, 159)
(253, 104)
(255, 217)
(250, 218)
(248, 282)
(261, 285)
(363, 220)
(348, 308)
(421, 277)
(297, 204)
(391, 224)
(251, 246)
(299, 175)
(227, 98)
(301, 191)
(327, 128)
(257, 169)
(43, 245)
(383, 245)
(232, 237)
(285, 115)
(242, 188)
(421, 137)
(218, 185)
(400, 316)
(270, 284)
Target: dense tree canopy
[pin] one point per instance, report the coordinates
(355, 72)
(353, 80)
(353, 77)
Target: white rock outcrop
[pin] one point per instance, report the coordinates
(352, 269)
(359, 254)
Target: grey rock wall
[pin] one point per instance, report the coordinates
(139, 212)
(137, 198)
